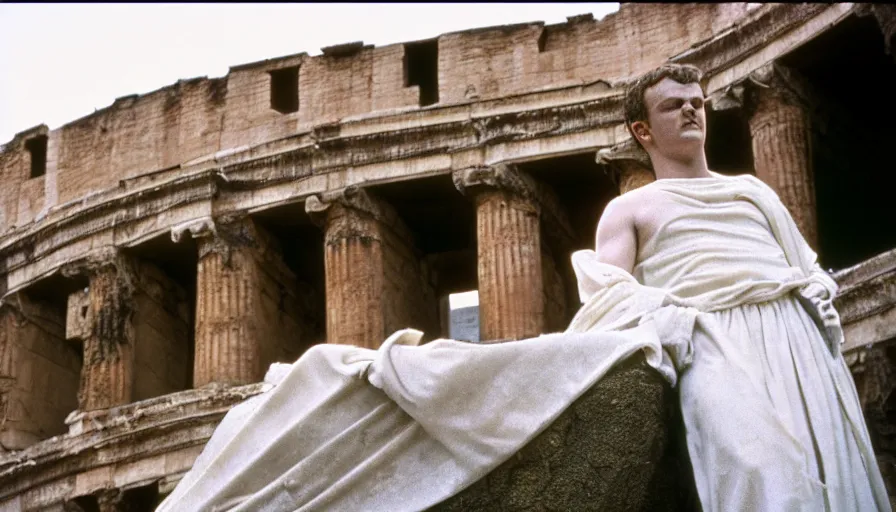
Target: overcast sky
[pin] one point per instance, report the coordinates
(59, 62)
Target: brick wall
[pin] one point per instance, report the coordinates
(39, 373)
(141, 134)
(198, 117)
(285, 334)
(410, 299)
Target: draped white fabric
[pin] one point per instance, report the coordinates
(772, 417)
(769, 405)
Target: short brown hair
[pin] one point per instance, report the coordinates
(634, 107)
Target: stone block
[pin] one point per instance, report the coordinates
(77, 318)
(619, 447)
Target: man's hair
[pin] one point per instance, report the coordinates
(635, 109)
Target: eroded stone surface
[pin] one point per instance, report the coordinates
(375, 282)
(39, 373)
(617, 448)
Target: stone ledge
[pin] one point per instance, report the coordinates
(111, 440)
(866, 302)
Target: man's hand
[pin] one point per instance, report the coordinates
(617, 240)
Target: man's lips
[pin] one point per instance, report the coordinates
(691, 123)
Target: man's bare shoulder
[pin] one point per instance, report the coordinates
(635, 203)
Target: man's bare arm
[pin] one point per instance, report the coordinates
(617, 240)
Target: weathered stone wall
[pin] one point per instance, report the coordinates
(39, 373)
(376, 282)
(133, 322)
(502, 61)
(138, 134)
(142, 134)
(410, 299)
(163, 333)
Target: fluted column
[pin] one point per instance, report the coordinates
(375, 283)
(779, 125)
(245, 308)
(509, 251)
(628, 165)
(107, 372)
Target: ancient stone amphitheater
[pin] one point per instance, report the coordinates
(157, 255)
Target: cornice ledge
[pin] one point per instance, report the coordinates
(733, 46)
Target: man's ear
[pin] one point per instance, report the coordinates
(641, 131)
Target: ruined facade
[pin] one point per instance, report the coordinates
(158, 255)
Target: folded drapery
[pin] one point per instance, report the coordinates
(407, 426)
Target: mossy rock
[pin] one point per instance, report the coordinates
(619, 447)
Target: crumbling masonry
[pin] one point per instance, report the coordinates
(159, 254)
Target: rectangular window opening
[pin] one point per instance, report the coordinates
(543, 40)
(421, 68)
(285, 90)
(37, 149)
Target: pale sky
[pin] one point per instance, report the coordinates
(60, 62)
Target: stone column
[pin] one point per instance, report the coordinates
(39, 372)
(628, 165)
(375, 283)
(509, 251)
(107, 372)
(779, 125)
(133, 324)
(246, 310)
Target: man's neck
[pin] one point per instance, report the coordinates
(666, 168)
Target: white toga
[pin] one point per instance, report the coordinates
(728, 302)
(771, 413)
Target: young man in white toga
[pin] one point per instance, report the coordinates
(772, 418)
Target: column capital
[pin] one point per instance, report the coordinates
(509, 178)
(325, 207)
(777, 81)
(318, 206)
(196, 228)
(500, 176)
(627, 164)
(771, 80)
(223, 234)
(101, 261)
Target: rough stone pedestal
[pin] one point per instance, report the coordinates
(619, 447)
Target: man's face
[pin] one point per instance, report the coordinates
(676, 117)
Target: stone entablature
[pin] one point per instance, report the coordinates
(112, 450)
(385, 147)
(866, 302)
(142, 134)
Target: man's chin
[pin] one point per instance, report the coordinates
(692, 137)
